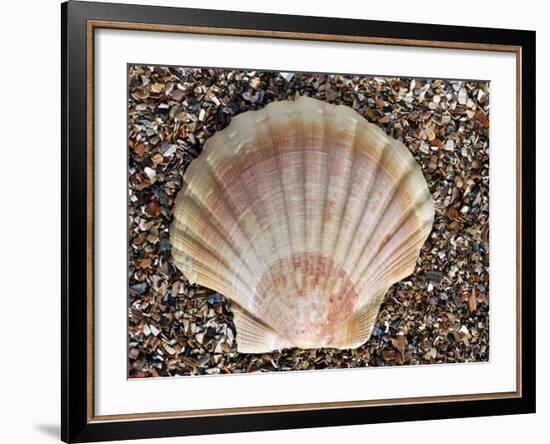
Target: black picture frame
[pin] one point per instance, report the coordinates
(76, 423)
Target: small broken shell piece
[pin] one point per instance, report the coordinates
(303, 214)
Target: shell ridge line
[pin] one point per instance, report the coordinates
(350, 176)
(226, 198)
(404, 258)
(353, 175)
(214, 256)
(189, 199)
(412, 211)
(366, 319)
(364, 204)
(358, 326)
(311, 106)
(269, 208)
(365, 201)
(260, 118)
(397, 256)
(395, 227)
(338, 242)
(254, 208)
(294, 116)
(265, 205)
(213, 221)
(251, 323)
(269, 132)
(304, 186)
(277, 156)
(281, 184)
(400, 256)
(291, 117)
(215, 277)
(326, 169)
(379, 161)
(371, 185)
(253, 306)
(381, 213)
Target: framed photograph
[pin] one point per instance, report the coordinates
(275, 221)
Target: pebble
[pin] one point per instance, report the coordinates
(462, 96)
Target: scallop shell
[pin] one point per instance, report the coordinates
(303, 214)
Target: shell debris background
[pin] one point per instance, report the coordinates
(439, 314)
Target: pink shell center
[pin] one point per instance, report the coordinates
(305, 297)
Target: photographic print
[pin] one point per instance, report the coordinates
(256, 206)
(282, 221)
